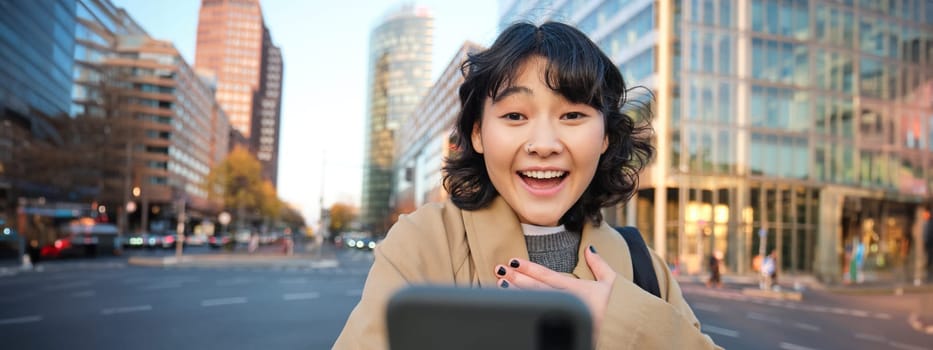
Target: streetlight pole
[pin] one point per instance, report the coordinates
(180, 229)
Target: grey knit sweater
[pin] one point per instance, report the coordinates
(556, 251)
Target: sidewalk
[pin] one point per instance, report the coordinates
(803, 282)
(305, 256)
(235, 260)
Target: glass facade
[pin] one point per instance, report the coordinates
(423, 142)
(36, 44)
(399, 75)
(781, 110)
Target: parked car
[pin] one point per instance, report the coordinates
(195, 240)
(82, 238)
(217, 241)
(169, 240)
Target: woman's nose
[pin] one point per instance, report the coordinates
(544, 142)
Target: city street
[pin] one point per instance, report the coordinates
(108, 304)
(820, 321)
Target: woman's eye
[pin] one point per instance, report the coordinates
(573, 115)
(513, 116)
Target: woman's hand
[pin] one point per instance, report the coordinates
(524, 274)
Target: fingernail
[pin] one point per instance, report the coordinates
(592, 250)
(514, 263)
(505, 284)
(501, 271)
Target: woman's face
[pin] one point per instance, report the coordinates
(540, 150)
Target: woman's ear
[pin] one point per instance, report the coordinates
(605, 143)
(477, 138)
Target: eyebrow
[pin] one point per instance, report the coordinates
(511, 90)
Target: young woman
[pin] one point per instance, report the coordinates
(542, 147)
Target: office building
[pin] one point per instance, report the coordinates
(423, 142)
(804, 124)
(36, 43)
(399, 74)
(267, 109)
(234, 43)
(177, 131)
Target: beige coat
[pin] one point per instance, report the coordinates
(439, 243)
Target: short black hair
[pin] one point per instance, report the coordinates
(580, 72)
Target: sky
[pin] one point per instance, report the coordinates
(325, 52)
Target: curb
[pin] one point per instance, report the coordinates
(228, 261)
(919, 325)
(771, 294)
(881, 290)
(813, 284)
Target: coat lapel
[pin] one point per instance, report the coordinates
(494, 236)
(609, 245)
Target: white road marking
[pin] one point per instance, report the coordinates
(223, 301)
(905, 346)
(125, 309)
(300, 280)
(871, 337)
(858, 313)
(68, 285)
(762, 317)
(807, 326)
(882, 316)
(162, 286)
(707, 307)
(301, 296)
(789, 346)
(234, 281)
(24, 319)
(720, 331)
(354, 292)
(84, 294)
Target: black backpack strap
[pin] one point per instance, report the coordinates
(642, 264)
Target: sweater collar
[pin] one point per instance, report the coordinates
(494, 235)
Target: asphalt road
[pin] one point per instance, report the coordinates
(106, 304)
(821, 321)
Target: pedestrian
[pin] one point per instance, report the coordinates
(858, 261)
(928, 247)
(715, 276)
(253, 243)
(541, 146)
(768, 271)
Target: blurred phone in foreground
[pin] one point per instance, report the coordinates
(432, 317)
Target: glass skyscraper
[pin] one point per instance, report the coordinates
(806, 125)
(399, 74)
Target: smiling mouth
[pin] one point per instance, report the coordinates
(542, 179)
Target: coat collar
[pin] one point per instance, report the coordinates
(495, 236)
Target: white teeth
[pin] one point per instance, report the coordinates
(538, 174)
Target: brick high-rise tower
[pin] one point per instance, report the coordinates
(235, 44)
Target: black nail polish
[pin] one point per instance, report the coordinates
(505, 284)
(592, 250)
(514, 263)
(501, 271)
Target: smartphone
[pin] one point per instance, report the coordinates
(435, 317)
